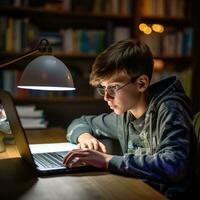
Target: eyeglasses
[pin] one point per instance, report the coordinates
(111, 90)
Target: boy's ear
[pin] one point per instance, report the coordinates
(143, 82)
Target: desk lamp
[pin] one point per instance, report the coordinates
(46, 72)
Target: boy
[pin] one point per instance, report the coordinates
(152, 123)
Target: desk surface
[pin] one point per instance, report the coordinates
(18, 182)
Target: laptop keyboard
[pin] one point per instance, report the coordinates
(50, 160)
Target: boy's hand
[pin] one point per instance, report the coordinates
(78, 157)
(87, 141)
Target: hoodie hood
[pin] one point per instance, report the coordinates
(167, 91)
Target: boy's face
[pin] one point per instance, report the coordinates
(121, 93)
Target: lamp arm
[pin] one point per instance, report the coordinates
(19, 58)
(44, 46)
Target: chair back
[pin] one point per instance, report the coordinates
(196, 124)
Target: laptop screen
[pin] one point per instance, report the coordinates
(7, 103)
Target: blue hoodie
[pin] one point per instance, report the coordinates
(164, 157)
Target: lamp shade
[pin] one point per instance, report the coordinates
(46, 72)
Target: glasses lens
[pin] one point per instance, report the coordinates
(101, 91)
(111, 92)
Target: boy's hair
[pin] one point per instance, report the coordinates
(131, 56)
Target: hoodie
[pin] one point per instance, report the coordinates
(167, 137)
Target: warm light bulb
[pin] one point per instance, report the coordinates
(148, 30)
(142, 27)
(158, 28)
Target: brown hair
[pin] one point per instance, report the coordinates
(131, 56)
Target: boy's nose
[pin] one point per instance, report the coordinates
(107, 97)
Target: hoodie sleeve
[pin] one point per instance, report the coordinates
(101, 125)
(169, 160)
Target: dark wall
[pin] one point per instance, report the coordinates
(196, 56)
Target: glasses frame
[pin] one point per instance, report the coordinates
(112, 90)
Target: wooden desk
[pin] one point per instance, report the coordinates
(18, 182)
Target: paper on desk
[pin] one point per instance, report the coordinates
(51, 147)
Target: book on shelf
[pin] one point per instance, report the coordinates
(27, 111)
(162, 8)
(93, 6)
(11, 2)
(173, 42)
(33, 123)
(20, 35)
(83, 41)
(30, 117)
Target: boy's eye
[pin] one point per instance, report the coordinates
(114, 87)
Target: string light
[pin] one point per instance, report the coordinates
(142, 27)
(145, 28)
(158, 28)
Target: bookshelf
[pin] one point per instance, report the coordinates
(166, 26)
(71, 27)
(78, 32)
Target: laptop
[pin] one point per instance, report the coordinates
(42, 162)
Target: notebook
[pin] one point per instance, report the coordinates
(49, 162)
